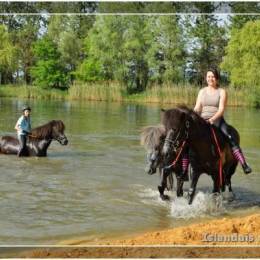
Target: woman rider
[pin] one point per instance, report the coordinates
(210, 105)
(23, 128)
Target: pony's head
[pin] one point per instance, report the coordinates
(58, 128)
(152, 138)
(177, 123)
(52, 130)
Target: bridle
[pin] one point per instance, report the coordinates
(177, 141)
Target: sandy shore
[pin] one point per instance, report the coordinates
(242, 232)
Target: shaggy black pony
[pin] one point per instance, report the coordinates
(152, 138)
(184, 126)
(38, 141)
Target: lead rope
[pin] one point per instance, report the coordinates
(177, 157)
(220, 159)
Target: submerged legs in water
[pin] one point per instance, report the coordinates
(22, 150)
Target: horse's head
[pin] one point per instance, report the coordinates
(177, 124)
(154, 159)
(152, 138)
(57, 132)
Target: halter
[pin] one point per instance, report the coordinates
(176, 143)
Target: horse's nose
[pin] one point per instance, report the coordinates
(66, 142)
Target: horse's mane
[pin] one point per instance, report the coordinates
(169, 115)
(151, 136)
(45, 131)
(194, 115)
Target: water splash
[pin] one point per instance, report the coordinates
(204, 204)
(151, 197)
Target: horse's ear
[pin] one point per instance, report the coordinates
(162, 114)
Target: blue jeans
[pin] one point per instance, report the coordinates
(23, 149)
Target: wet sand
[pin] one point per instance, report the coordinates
(233, 237)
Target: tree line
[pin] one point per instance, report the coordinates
(53, 51)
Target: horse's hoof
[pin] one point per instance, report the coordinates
(180, 194)
(190, 199)
(165, 197)
(230, 196)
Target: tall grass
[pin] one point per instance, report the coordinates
(167, 94)
(104, 91)
(31, 92)
(114, 91)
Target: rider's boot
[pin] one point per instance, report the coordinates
(238, 154)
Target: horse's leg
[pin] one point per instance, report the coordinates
(230, 172)
(163, 184)
(194, 181)
(216, 184)
(180, 182)
(170, 181)
(224, 179)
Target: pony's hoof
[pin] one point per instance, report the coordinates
(190, 198)
(165, 197)
(180, 194)
(230, 196)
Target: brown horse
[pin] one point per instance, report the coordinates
(152, 138)
(38, 141)
(184, 126)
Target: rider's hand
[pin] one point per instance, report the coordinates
(211, 121)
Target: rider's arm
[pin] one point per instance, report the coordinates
(198, 106)
(221, 108)
(18, 124)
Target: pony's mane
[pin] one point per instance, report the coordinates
(45, 131)
(169, 115)
(195, 116)
(151, 136)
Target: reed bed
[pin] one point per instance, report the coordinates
(104, 91)
(31, 92)
(115, 92)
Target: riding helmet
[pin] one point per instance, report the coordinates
(26, 108)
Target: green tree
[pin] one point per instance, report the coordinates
(238, 21)
(103, 49)
(242, 59)
(128, 49)
(65, 32)
(166, 55)
(8, 52)
(207, 41)
(48, 71)
(25, 39)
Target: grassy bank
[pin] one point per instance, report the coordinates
(31, 92)
(166, 94)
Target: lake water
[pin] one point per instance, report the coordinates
(96, 186)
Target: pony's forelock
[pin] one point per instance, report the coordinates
(151, 136)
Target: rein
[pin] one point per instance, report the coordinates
(33, 136)
(220, 159)
(177, 157)
(186, 127)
